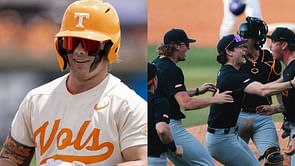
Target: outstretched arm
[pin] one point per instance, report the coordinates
(189, 103)
(269, 88)
(15, 153)
(206, 87)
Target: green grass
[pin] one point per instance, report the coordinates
(200, 67)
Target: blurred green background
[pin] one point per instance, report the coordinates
(199, 67)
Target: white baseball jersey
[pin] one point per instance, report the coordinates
(92, 127)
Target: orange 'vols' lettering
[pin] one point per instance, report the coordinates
(92, 141)
(41, 131)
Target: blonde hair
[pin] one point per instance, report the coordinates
(166, 49)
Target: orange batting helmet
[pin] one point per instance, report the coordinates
(93, 20)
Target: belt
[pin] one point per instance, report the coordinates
(222, 130)
(154, 155)
(158, 155)
(248, 110)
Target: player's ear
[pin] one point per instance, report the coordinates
(229, 52)
(284, 45)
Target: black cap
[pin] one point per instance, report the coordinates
(283, 34)
(152, 71)
(229, 41)
(177, 36)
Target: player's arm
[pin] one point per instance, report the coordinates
(188, 103)
(270, 110)
(164, 132)
(206, 87)
(14, 153)
(134, 156)
(165, 135)
(276, 81)
(268, 89)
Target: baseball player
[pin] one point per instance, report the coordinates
(160, 138)
(171, 86)
(86, 117)
(283, 48)
(252, 9)
(261, 67)
(222, 139)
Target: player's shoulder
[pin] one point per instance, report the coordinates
(120, 90)
(48, 88)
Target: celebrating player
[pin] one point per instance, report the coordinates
(283, 48)
(222, 139)
(171, 85)
(87, 116)
(261, 67)
(160, 138)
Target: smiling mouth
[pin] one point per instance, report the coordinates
(80, 61)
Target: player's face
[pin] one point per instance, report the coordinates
(276, 48)
(239, 54)
(80, 63)
(182, 49)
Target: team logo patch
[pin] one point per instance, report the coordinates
(101, 106)
(178, 85)
(165, 116)
(98, 107)
(81, 17)
(247, 80)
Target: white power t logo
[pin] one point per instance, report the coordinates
(81, 18)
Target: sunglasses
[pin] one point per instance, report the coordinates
(237, 39)
(70, 43)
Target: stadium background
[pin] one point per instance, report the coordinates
(201, 19)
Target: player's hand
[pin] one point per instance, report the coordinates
(224, 97)
(207, 87)
(291, 147)
(293, 81)
(265, 110)
(179, 151)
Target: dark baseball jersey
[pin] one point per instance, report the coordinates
(158, 111)
(264, 69)
(226, 115)
(170, 81)
(289, 95)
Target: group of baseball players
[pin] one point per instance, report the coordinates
(241, 104)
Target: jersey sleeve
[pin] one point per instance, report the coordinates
(161, 112)
(21, 127)
(132, 123)
(242, 81)
(173, 82)
(236, 81)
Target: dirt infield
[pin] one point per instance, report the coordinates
(202, 18)
(200, 131)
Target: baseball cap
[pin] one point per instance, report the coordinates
(152, 71)
(177, 36)
(229, 41)
(283, 34)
